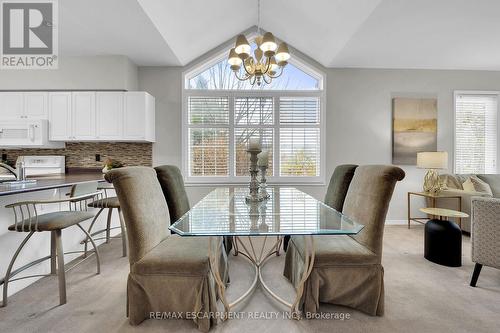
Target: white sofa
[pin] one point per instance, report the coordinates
(454, 186)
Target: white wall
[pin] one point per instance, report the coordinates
(358, 117)
(90, 73)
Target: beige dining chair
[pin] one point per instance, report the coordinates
(172, 184)
(347, 269)
(168, 273)
(337, 190)
(28, 220)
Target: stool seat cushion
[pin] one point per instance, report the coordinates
(184, 256)
(52, 221)
(105, 203)
(337, 251)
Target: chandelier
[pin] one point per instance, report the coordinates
(266, 63)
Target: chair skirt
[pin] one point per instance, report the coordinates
(356, 286)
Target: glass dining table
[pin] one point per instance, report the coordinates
(288, 211)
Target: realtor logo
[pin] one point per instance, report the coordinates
(28, 34)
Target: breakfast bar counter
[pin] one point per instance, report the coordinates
(50, 182)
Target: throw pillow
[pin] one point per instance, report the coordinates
(468, 185)
(481, 186)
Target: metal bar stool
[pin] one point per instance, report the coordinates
(107, 202)
(28, 220)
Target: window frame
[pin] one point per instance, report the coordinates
(232, 94)
(456, 93)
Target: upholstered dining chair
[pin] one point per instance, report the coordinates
(347, 269)
(168, 273)
(337, 190)
(485, 233)
(172, 184)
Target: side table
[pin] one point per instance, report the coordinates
(443, 238)
(433, 197)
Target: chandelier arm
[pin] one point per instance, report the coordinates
(252, 82)
(268, 65)
(241, 78)
(277, 76)
(245, 68)
(270, 79)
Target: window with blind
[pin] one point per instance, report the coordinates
(476, 132)
(222, 115)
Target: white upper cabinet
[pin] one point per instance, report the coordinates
(139, 117)
(109, 113)
(11, 105)
(101, 116)
(36, 105)
(83, 115)
(24, 105)
(60, 127)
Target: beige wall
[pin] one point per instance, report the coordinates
(358, 117)
(74, 73)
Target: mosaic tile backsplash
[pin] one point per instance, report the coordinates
(83, 154)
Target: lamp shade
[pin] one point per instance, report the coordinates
(242, 47)
(432, 160)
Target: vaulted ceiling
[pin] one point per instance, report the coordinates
(436, 34)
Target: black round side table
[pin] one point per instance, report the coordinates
(443, 238)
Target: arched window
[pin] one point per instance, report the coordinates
(221, 113)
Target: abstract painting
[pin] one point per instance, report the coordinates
(414, 128)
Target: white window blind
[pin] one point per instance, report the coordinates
(476, 133)
(299, 110)
(208, 110)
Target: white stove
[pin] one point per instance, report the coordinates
(43, 165)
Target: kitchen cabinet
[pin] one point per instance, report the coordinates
(35, 105)
(11, 105)
(83, 116)
(139, 117)
(102, 116)
(109, 112)
(23, 105)
(60, 123)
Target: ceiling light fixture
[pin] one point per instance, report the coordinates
(266, 63)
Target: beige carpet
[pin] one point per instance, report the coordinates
(420, 297)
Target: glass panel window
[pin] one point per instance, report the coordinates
(299, 152)
(253, 110)
(221, 77)
(222, 113)
(241, 137)
(476, 133)
(209, 153)
(208, 110)
(299, 110)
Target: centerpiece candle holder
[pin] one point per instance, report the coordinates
(253, 196)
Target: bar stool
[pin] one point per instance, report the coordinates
(107, 202)
(28, 220)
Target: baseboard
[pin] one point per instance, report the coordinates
(396, 222)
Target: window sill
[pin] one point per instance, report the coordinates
(232, 184)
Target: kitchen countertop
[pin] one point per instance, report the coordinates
(51, 182)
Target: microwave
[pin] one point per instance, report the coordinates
(26, 133)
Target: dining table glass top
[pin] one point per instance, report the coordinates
(288, 211)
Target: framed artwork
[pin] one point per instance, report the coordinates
(414, 128)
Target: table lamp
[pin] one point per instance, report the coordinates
(432, 161)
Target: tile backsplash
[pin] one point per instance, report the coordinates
(83, 154)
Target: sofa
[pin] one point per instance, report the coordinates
(454, 186)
